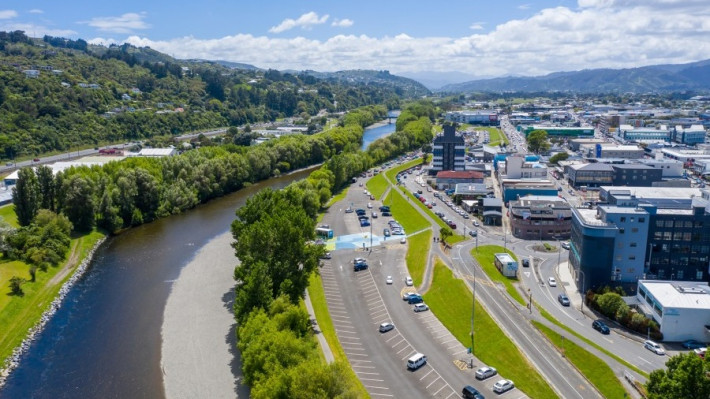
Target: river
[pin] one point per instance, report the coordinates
(105, 340)
(379, 130)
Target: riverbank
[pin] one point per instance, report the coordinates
(83, 261)
(199, 356)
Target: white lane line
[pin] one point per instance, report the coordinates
(371, 379)
(393, 337)
(374, 387)
(409, 355)
(355, 354)
(380, 394)
(454, 393)
(363, 372)
(435, 393)
(644, 360)
(432, 383)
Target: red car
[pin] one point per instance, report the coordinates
(35, 160)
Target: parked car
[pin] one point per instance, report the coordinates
(600, 326)
(503, 386)
(701, 352)
(565, 245)
(654, 347)
(408, 281)
(414, 299)
(403, 240)
(326, 256)
(420, 307)
(693, 344)
(562, 298)
(470, 392)
(386, 232)
(374, 215)
(348, 210)
(389, 280)
(526, 262)
(407, 295)
(552, 282)
(485, 372)
(384, 327)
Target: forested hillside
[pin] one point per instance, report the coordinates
(57, 94)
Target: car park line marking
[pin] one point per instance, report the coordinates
(452, 393)
(365, 372)
(381, 305)
(435, 393)
(355, 354)
(373, 387)
(340, 317)
(410, 354)
(347, 348)
(398, 335)
(425, 375)
(380, 394)
(371, 379)
(461, 352)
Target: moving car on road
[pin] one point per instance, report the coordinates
(600, 326)
(552, 282)
(389, 280)
(654, 347)
(562, 298)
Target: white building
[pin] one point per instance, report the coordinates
(619, 151)
(517, 168)
(157, 152)
(681, 308)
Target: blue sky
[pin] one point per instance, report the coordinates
(478, 38)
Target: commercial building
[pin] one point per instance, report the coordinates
(449, 151)
(643, 232)
(492, 209)
(481, 117)
(576, 144)
(681, 308)
(587, 131)
(692, 135)
(471, 191)
(684, 155)
(590, 174)
(513, 189)
(447, 179)
(517, 167)
(669, 167)
(631, 133)
(619, 151)
(540, 218)
(630, 174)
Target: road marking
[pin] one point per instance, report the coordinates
(380, 394)
(355, 354)
(371, 379)
(435, 393)
(364, 372)
(398, 335)
(425, 375)
(461, 365)
(373, 387)
(527, 274)
(448, 340)
(645, 360)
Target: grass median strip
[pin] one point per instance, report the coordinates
(392, 173)
(417, 255)
(377, 186)
(485, 256)
(404, 213)
(450, 300)
(320, 308)
(559, 324)
(593, 368)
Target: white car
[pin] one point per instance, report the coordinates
(389, 280)
(384, 327)
(369, 205)
(485, 372)
(503, 386)
(403, 240)
(654, 347)
(420, 307)
(408, 281)
(552, 282)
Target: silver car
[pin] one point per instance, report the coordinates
(503, 386)
(485, 372)
(384, 327)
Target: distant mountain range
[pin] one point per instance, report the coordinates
(694, 76)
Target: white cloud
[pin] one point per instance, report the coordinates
(126, 23)
(305, 21)
(33, 30)
(554, 39)
(8, 14)
(524, 7)
(36, 11)
(477, 26)
(343, 23)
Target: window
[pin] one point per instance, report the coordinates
(634, 230)
(688, 224)
(642, 220)
(667, 235)
(632, 219)
(699, 275)
(618, 258)
(621, 231)
(669, 223)
(633, 245)
(658, 235)
(659, 223)
(632, 257)
(623, 219)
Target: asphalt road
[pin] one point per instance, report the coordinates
(360, 301)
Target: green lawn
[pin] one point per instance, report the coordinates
(338, 197)
(450, 300)
(7, 213)
(320, 308)
(556, 322)
(496, 136)
(417, 255)
(18, 314)
(392, 173)
(405, 213)
(596, 371)
(377, 185)
(485, 255)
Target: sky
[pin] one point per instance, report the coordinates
(474, 37)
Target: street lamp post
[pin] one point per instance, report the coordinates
(473, 309)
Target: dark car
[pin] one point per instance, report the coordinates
(526, 262)
(600, 326)
(693, 344)
(414, 299)
(470, 392)
(360, 266)
(474, 233)
(562, 298)
(360, 212)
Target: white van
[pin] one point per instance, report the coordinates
(416, 361)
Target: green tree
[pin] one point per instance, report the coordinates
(26, 196)
(686, 377)
(79, 203)
(560, 156)
(537, 141)
(253, 292)
(445, 233)
(45, 181)
(16, 285)
(609, 303)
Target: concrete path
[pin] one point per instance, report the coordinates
(325, 348)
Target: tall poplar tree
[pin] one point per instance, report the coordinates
(26, 196)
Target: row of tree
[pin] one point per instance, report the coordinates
(611, 304)
(138, 190)
(274, 236)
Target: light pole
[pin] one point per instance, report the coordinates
(473, 309)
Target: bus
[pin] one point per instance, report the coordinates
(324, 232)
